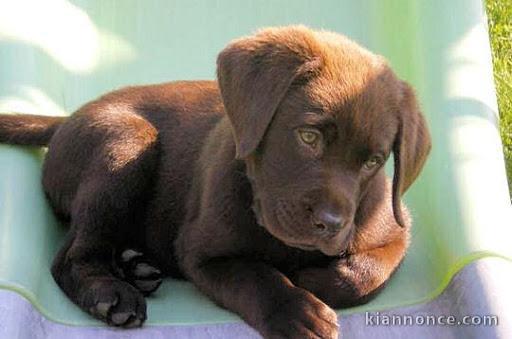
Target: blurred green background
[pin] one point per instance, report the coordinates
(499, 13)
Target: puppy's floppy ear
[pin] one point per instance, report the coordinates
(254, 75)
(411, 147)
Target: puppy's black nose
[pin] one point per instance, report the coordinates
(327, 223)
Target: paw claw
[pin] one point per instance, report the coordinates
(144, 270)
(122, 317)
(147, 286)
(129, 255)
(102, 308)
(135, 323)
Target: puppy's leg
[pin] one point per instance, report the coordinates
(264, 298)
(103, 221)
(354, 279)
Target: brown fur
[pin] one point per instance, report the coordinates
(215, 184)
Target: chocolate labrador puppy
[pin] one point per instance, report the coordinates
(265, 189)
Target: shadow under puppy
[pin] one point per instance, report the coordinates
(266, 190)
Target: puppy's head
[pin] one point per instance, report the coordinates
(315, 117)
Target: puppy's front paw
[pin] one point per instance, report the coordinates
(301, 315)
(115, 302)
(136, 269)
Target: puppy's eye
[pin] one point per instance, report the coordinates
(310, 136)
(373, 162)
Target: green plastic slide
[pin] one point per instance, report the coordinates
(57, 55)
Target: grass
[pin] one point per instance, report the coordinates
(499, 13)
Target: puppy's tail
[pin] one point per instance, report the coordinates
(29, 130)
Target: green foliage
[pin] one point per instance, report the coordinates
(499, 13)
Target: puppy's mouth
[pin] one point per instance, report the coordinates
(329, 249)
(305, 247)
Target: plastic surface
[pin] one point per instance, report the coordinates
(61, 54)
